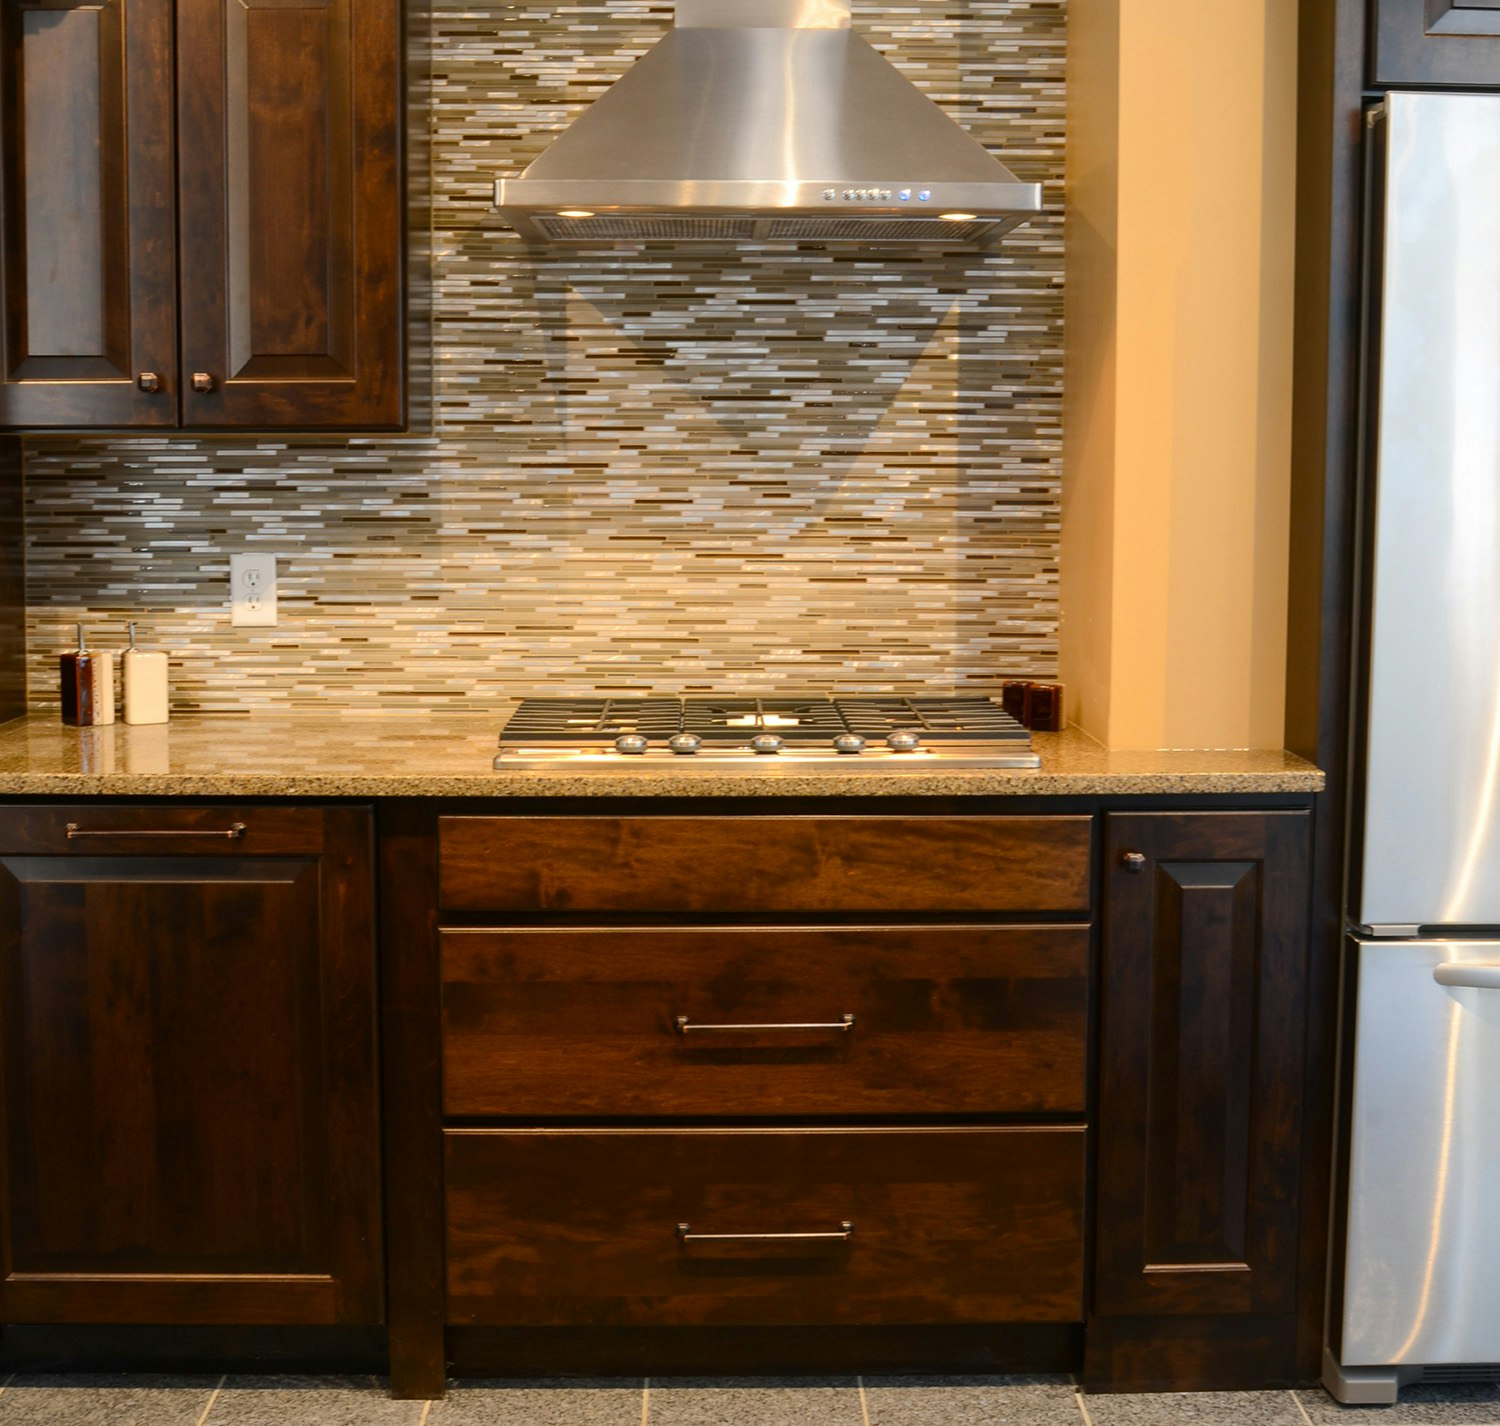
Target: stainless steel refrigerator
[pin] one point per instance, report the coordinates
(1419, 1296)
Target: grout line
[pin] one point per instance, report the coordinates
(864, 1405)
(1078, 1402)
(426, 1412)
(213, 1397)
(1301, 1407)
(645, 1400)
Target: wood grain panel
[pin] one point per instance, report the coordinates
(87, 231)
(67, 211)
(1435, 44)
(963, 1019)
(290, 193)
(580, 1226)
(1200, 1062)
(765, 864)
(188, 1061)
(12, 582)
(127, 828)
(411, 1054)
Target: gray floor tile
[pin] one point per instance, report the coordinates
(754, 1401)
(971, 1401)
(1468, 1405)
(309, 1401)
(610, 1401)
(105, 1400)
(1195, 1408)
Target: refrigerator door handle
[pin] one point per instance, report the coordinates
(1467, 974)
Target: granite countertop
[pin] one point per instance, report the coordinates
(448, 755)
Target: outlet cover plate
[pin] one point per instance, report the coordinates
(252, 590)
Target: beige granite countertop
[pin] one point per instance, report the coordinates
(448, 755)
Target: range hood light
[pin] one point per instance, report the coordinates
(575, 212)
(958, 217)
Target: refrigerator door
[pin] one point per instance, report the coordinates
(1422, 1273)
(1431, 847)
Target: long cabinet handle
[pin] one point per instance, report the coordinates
(1467, 974)
(233, 831)
(843, 1025)
(841, 1234)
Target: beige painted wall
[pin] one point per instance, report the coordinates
(1181, 171)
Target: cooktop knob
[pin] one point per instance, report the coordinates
(849, 743)
(766, 743)
(903, 740)
(632, 743)
(684, 742)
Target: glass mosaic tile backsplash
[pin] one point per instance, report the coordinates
(648, 469)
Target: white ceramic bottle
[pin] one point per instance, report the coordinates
(145, 677)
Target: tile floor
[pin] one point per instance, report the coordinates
(38, 1400)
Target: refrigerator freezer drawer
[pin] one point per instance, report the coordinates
(1422, 1276)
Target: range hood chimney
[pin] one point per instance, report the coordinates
(764, 120)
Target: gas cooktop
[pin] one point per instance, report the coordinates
(874, 733)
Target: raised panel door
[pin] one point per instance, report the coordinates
(87, 222)
(1200, 1063)
(290, 185)
(187, 1043)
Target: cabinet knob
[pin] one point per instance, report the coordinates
(148, 381)
(1134, 861)
(202, 381)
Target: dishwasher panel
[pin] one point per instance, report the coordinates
(1422, 1274)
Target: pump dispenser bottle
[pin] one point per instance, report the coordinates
(145, 677)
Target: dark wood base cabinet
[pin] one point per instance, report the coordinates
(1199, 1110)
(979, 1090)
(849, 1088)
(188, 1054)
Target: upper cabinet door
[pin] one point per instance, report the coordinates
(87, 261)
(1435, 43)
(290, 221)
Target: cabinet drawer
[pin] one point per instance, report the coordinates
(584, 1227)
(945, 1019)
(230, 829)
(731, 865)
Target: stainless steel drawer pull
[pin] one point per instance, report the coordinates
(1470, 975)
(843, 1026)
(234, 830)
(841, 1234)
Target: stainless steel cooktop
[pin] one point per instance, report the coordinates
(872, 734)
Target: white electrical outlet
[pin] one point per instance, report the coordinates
(252, 589)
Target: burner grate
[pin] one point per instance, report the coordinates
(736, 720)
(936, 718)
(553, 720)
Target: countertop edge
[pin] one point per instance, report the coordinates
(520, 786)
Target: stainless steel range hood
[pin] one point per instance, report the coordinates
(762, 120)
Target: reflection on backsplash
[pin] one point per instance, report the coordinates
(649, 469)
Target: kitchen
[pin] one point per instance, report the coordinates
(757, 470)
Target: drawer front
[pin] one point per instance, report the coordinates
(98, 829)
(945, 1019)
(730, 865)
(628, 1226)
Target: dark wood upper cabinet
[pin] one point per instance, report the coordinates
(88, 267)
(1200, 1063)
(246, 275)
(1433, 43)
(290, 214)
(187, 1045)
